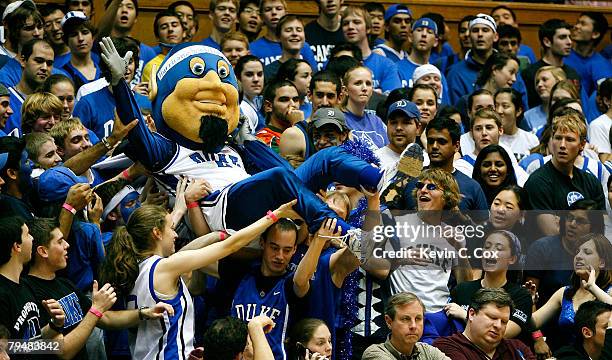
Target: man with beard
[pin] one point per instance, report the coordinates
(37, 62)
(281, 105)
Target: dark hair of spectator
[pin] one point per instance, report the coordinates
(326, 76)
(10, 228)
(600, 24)
(549, 28)
(510, 179)
(496, 61)
(440, 123)
(225, 339)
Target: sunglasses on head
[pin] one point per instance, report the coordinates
(431, 187)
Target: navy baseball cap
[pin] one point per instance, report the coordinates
(426, 23)
(407, 107)
(54, 183)
(397, 9)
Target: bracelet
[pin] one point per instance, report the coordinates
(270, 215)
(536, 335)
(96, 312)
(69, 207)
(107, 145)
(126, 175)
(192, 205)
(140, 312)
(222, 235)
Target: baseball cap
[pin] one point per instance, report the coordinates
(405, 106)
(329, 115)
(54, 183)
(426, 23)
(484, 19)
(4, 91)
(73, 18)
(14, 6)
(397, 9)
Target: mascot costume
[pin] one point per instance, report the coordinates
(196, 107)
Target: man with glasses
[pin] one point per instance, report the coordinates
(249, 21)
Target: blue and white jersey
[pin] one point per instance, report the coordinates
(170, 337)
(390, 53)
(95, 106)
(384, 72)
(13, 124)
(250, 302)
(78, 77)
(269, 51)
(220, 169)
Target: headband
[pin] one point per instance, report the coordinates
(112, 204)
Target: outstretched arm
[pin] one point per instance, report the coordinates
(153, 150)
(169, 269)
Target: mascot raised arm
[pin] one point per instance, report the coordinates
(195, 107)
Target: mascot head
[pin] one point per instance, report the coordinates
(195, 97)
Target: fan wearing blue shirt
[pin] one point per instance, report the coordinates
(355, 26)
(588, 32)
(79, 34)
(462, 76)
(268, 47)
(223, 15)
(95, 105)
(52, 20)
(397, 22)
(37, 62)
(503, 15)
(424, 39)
(123, 24)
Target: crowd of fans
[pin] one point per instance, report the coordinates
(102, 258)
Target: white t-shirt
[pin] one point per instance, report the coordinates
(599, 133)
(520, 143)
(429, 283)
(467, 168)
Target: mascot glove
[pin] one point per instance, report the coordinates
(245, 132)
(114, 61)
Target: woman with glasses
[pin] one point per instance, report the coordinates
(426, 272)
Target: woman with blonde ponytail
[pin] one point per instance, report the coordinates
(142, 264)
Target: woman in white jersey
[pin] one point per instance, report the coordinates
(142, 265)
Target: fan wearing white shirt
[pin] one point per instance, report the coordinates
(599, 129)
(486, 129)
(509, 106)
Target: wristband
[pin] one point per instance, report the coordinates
(222, 235)
(69, 207)
(270, 215)
(536, 335)
(125, 174)
(96, 312)
(192, 205)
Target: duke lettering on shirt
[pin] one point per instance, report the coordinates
(247, 312)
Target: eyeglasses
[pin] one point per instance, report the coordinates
(579, 221)
(431, 187)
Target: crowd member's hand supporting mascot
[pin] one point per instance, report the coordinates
(196, 107)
